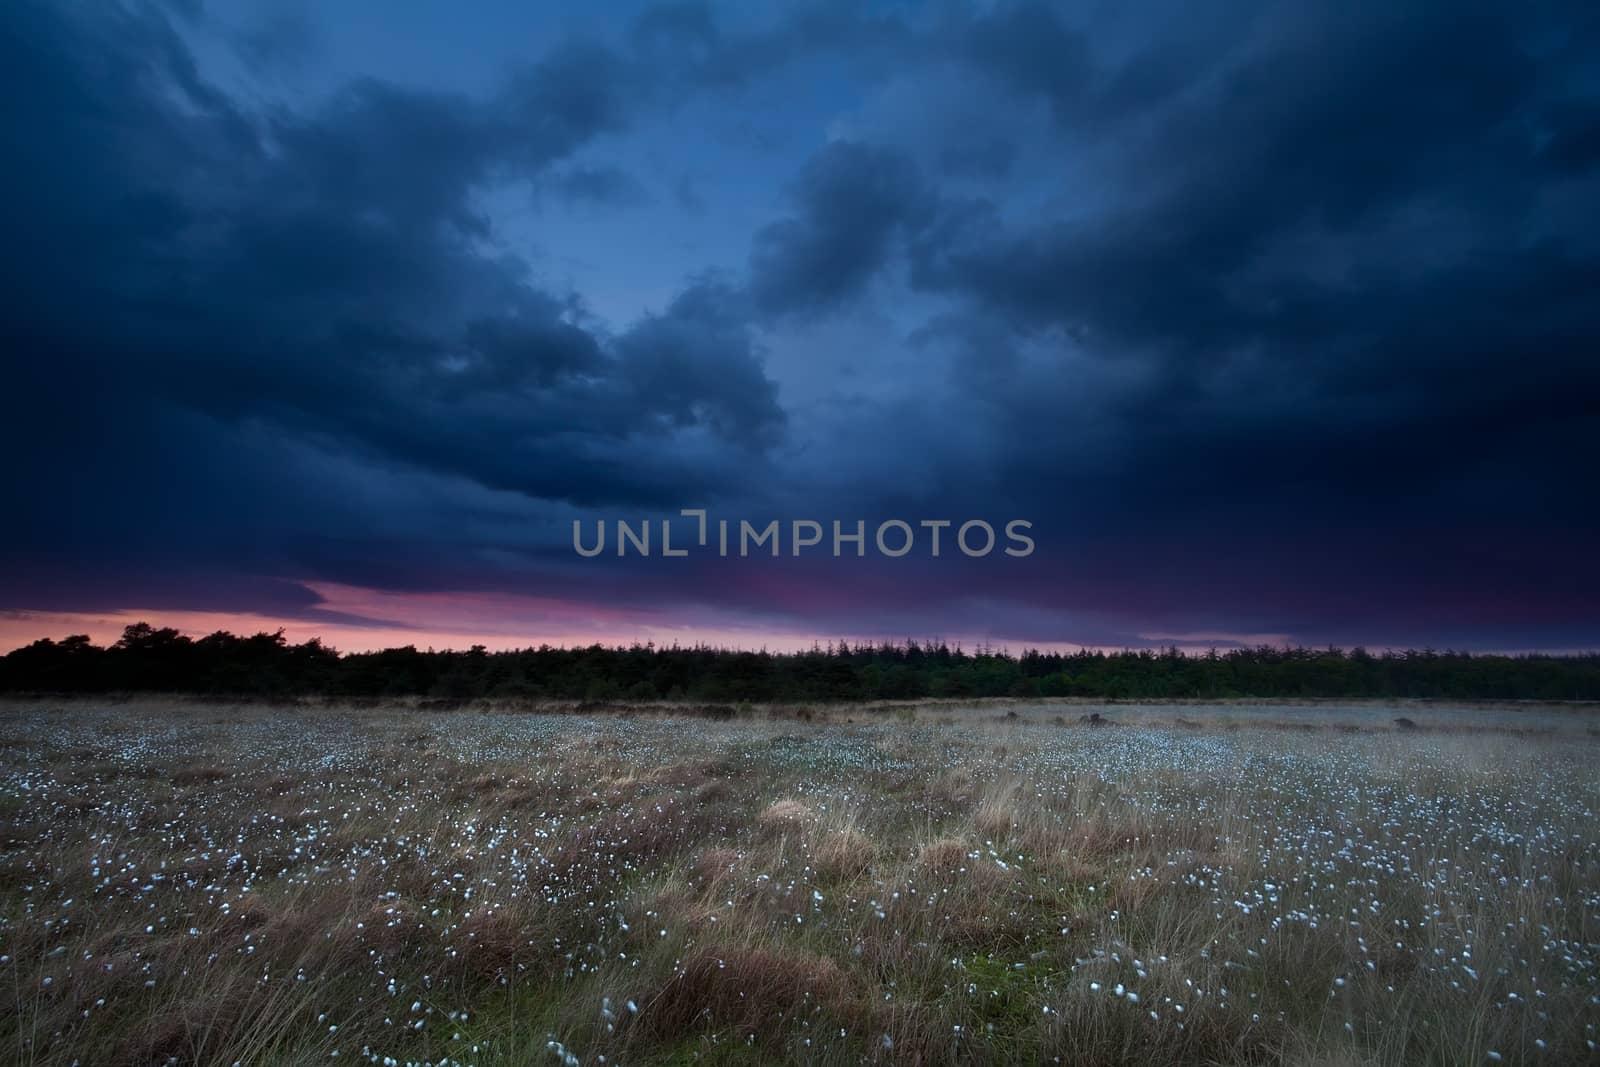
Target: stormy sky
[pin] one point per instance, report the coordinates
(1278, 322)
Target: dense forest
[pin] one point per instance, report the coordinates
(148, 659)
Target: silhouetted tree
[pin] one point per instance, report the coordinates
(146, 658)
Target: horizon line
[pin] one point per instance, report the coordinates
(961, 645)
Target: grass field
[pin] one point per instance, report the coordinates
(187, 883)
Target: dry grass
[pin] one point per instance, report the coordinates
(785, 816)
(196, 884)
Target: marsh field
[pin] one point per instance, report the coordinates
(197, 883)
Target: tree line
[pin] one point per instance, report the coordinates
(151, 659)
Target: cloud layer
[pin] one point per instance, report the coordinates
(1283, 326)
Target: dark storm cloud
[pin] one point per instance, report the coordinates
(1347, 261)
(851, 201)
(192, 288)
(188, 253)
(1339, 251)
(693, 364)
(1280, 325)
(1032, 48)
(1285, 139)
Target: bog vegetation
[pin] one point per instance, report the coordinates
(151, 659)
(227, 884)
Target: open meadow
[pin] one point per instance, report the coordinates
(197, 884)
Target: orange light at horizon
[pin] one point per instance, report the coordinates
(497, 621)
